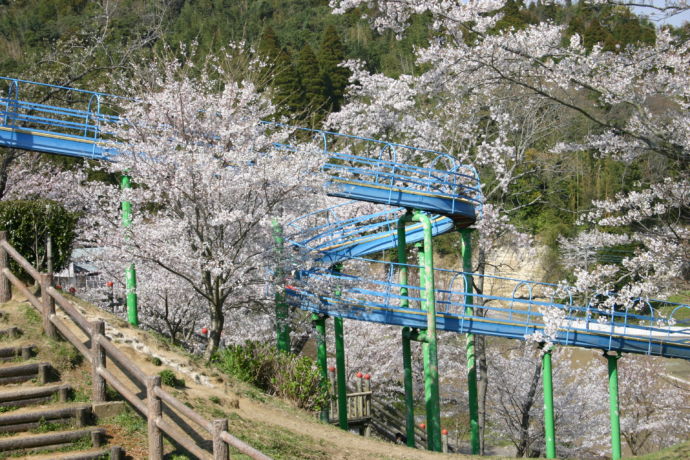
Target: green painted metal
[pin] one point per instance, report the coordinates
(131, 271)
(407, 382)
(340, 372)
(469, 346)
(429, 347)
(406, 348)
(613, 406)
(132, 301)
(321, 355)
(281, 306)
(549, 425)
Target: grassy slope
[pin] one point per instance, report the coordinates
(677, 452)
(267, 423)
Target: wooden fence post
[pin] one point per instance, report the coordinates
(220, 448)
(155, 412)
(97, 360)
(5, 289)
(48, 304)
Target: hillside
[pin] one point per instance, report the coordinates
(267, 423)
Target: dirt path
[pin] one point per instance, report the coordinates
(203, 384)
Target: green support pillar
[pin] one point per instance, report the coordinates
(281, 306)
(321, 355)
(340, 372)
(469, 347)
(407, 382)
(549, 426)
(429, 347)
(613, 405)
(131, 272)
(406, 346)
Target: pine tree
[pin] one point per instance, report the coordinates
(288, 94)
(332, 53)
(269, 50)
(313, 83)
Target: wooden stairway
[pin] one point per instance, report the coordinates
(37, 416)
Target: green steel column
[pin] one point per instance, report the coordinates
(469, 347)
(340, 370)
(321, 355)
(406, 348)
(613, 406)
(130, 272)
(549, 427)
(281, 306)
(433, 405)
(407, 382)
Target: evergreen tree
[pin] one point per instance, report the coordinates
(332, 53)
(288, 94)
(313, 84)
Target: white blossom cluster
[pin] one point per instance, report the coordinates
(208, 178)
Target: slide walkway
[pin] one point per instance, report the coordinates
(393, 196)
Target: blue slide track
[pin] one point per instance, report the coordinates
(394, 178)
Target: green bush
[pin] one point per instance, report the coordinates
(28, 223)
(285, 375)
(169, 378)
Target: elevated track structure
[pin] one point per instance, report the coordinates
(420, 194)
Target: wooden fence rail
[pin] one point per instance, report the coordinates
(100, 350)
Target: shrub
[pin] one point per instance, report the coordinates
(282, 374)
(28, 223)
(169, 378)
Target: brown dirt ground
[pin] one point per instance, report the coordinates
(278, 416)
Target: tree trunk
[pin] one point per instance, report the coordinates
(215, 331)
(523, 447)
(6, 159)
(480, 350)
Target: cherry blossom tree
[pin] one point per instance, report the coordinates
(654, 409)
(634, 102)
(209, 177)
(516, 401)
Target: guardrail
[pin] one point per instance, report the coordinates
(98, 349)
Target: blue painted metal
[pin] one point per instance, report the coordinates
(77, 130)
(378, 172)
(335, 239)
(518, 316)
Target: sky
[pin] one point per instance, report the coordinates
(653, 14)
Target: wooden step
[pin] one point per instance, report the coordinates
(24, 420)
(52, 440)
(12, 353)
(11, 332)
(112, 453)
(25, 396)
(24, 372)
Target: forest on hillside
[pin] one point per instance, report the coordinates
(90, 44)
(574, 114)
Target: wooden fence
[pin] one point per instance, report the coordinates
(358, 402)
(99, 350)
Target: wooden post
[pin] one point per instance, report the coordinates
(220, 448)
(116, 453)
(49, 255)
(155, 412)
(367, 401)
(5, 289)
(331, 379)
(360, 398)
(97, 360)
(26, 352)
(42, 373)
(97, 437)
(63, 394)
(48, 304)
(80, 417)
